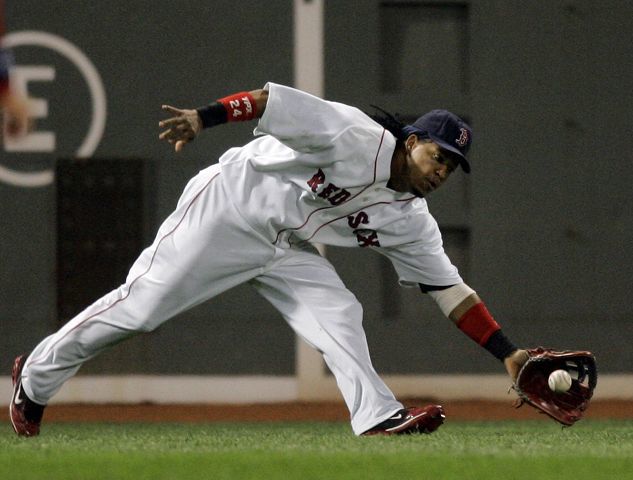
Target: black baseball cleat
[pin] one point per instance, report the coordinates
(411, 420)
(26, 415)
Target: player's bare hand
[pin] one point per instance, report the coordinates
(181, 127)
(514, 362)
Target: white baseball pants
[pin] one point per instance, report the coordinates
(202, 249)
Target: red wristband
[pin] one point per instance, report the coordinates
(240, 107)
(478, 324)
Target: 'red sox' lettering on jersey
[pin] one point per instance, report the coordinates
(333, 194)
(354, 221)
(367, 238)
(339, 198)
(328, 190)
(364, 236)
(340, 195)
(317, 180)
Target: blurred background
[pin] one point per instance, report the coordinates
(540, 228)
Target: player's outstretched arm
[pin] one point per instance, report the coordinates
(473, 318)
(463, 306)
(184, 125)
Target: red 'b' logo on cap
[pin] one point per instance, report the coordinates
(463, 137)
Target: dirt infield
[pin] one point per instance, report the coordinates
(462, 410)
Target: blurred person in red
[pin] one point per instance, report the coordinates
(13, 105)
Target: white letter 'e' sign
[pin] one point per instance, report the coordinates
(45, 141)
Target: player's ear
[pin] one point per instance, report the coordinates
(410, 141)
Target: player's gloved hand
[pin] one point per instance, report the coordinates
(564, 406)
(181, 128)
(514, 362)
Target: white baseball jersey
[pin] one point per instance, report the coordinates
(319, 174)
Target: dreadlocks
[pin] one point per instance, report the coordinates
(390, 122)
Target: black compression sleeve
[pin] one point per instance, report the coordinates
(499, 345)
(213, 114)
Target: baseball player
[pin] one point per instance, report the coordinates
(317, 171)
(13, 106)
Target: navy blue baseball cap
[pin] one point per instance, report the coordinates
(447, 130)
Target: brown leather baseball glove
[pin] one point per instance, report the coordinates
(532, 383)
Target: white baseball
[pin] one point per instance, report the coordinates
(559, 381)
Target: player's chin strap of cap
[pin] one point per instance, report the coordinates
(477, 323)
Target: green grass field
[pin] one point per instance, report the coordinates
(459, 450)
